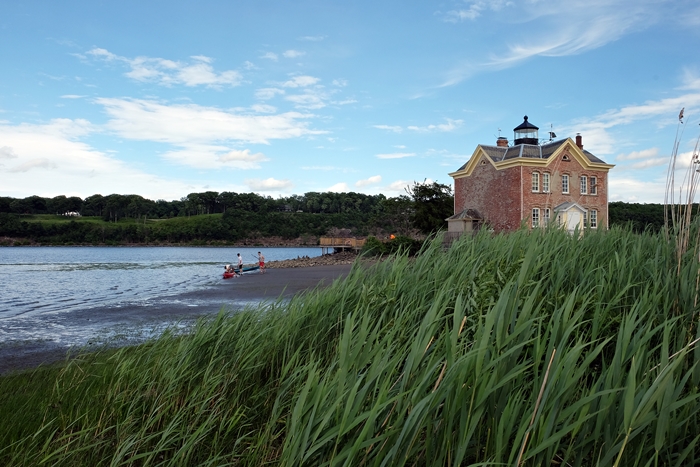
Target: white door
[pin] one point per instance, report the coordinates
(573, 220)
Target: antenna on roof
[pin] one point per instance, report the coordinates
(552, 135)
(499, 132)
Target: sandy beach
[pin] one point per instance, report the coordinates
(231, 295)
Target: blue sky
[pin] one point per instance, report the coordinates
(165, 98)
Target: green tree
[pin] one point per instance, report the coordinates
(432, 204)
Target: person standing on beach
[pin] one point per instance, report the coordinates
(261, 262)
(240, 265)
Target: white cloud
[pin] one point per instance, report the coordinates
(632, 190)
(653, 162)
(396, 155)
(168, 72)
(644, 154)
(310, 99)
(242, 156)
(267, 93)
(203, 156)
(540, 31)
(263, 108)
(441, 127)
(187, 124)
(399, 186)
(202, 58)
(475, 9)
(270, 56)
(473, 12)
(51, 160)
(394, 128)
(328, 168)
(312, 38)
(369, 181)
(72, 96)
(269, 184)
(203, 137)
(293, 53)
(344, 102)
(338, 188)
(105, 54)
(40, 163)
(300, 81)
(7, 152)
(596, 131)
(341, 83)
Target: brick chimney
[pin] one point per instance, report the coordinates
(502, 142)
(579, 141)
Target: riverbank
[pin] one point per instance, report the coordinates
(131, 324)
(346, 257)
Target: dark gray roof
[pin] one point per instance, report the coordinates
(467, 213)
(525, 125)
(592, 158)
(532, 151)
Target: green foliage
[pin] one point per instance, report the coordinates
(639, 216)
(576, 351)
(373, 247)
(244, 215)
(433, 203)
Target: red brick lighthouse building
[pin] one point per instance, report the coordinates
(532, 183)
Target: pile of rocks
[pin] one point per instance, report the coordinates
(346, 257)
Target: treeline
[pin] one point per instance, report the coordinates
(640, 217)
(233, 226)
(223, 217)
(114, 207)
(234, 217)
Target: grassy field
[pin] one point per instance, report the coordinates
(534, 348)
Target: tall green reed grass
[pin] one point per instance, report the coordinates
(535, 348)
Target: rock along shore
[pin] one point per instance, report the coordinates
(347, 257)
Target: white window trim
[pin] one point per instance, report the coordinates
(535, 182)
(546, 216)
(594, 219)
(546, 182)
(594, 186)
(583, 183)
(565, 177)
(535, 217)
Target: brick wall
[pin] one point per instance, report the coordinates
(555, 197)
(494, 193)
(497, 194)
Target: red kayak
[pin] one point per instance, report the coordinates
(228, 275)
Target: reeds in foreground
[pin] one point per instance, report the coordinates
(535, 348)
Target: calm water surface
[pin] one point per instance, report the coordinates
(39, 285)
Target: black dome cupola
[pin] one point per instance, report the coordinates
(525, 133)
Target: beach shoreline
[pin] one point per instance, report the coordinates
(231, 295)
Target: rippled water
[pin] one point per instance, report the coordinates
(40, 286)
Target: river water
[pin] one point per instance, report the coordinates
(41, 286)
